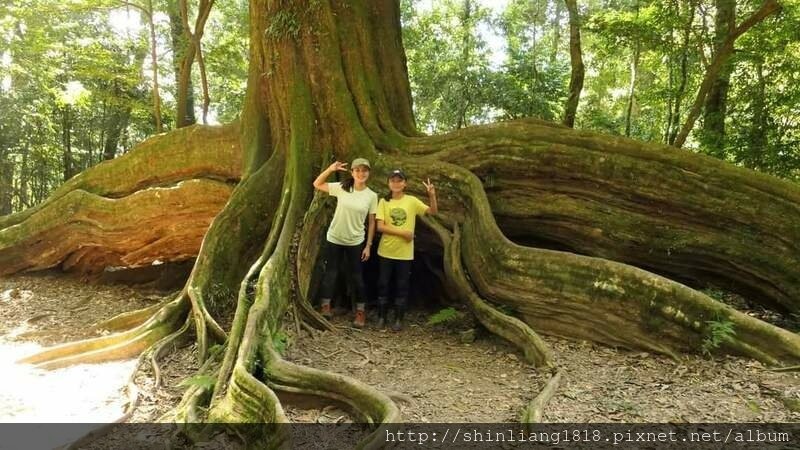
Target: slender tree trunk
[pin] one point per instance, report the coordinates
(182, 51)
(193, 51)
(6, 183)
(201, 63)
(116, 123)
(24, 170)
(684, 70)
(673, 9)
(556, 25)
(767, 8)
(203, 11)
(713, 135)
(466, 56)
(758, 127)
(66, 141)
(154, 61)
(632, 87)
(576, 62)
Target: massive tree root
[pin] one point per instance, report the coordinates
(592, 218)
(154, 203)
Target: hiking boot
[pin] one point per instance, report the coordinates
(382, 312)
(399, 312)
(398, 324)
(361, 318)
(325, 310)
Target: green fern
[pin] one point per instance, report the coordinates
(200, 380)
(718, 331)
(445, 315)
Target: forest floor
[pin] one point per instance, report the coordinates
(439, 373)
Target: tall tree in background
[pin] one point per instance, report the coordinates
(147, 11)
(721, 56)
(687, 13)
(713, 133)
(451, 75)
(634, 73)
(532, 80)
(184, 87)
(193, 51)
(576, 63)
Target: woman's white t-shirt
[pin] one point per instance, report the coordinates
(347, 226)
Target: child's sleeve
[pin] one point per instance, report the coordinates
(380, 215)
(422, 208)
(373, 205)
(334, 189)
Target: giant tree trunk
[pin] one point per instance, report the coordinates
(328, 80)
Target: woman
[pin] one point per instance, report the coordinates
(345, 239)
(396, 217)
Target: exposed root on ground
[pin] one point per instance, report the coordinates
(153, 337)
(534, 412)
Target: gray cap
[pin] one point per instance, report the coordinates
(359, 162)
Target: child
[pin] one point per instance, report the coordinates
(396, 218)
(346, 249)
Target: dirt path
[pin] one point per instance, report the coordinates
(441, 378)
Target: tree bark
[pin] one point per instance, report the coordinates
(758, 128)
(767, 8)
(716, 103)
(196, 38)
(632, 87)
(66, 141)
(183, 52)
(116, 122)
(576, 62)
(6, 183)
(675, 115)
(154, 61)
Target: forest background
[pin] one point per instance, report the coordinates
(81, 81)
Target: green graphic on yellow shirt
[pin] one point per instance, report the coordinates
(398, 216)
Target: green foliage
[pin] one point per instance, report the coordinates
(280, 341)
(226, 53)
(445, 315)
(200, 380)
(283, 24)
(70, 76)
(716, 294)
(448, 65)
(718, 331)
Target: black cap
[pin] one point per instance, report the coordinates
(398, 173)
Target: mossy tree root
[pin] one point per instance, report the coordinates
(680, 214)
(116, 346)
(87, 232)
(581, 297)
(155, 202)
(195, 152)
(513, 330)
(127, 320)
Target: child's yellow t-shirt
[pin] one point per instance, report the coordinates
(401, 213)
